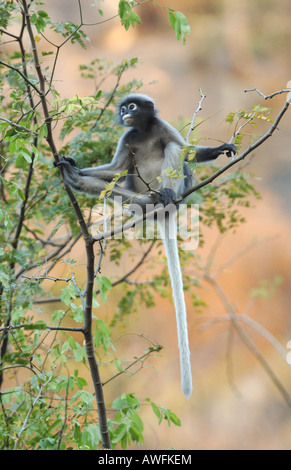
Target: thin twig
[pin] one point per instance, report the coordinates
(34, 326)
(240, 157)
(26, 80)
(266, 97)
(247, 341)
(192, 127)
(138, 172)
(139, 360)
(65, 417)
(132, 270)
(242, 252)
(23, 428)
(255, 326)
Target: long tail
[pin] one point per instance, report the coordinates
(169, 236)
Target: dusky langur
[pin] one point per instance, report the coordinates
(150, 152)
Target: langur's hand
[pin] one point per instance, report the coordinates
(167, 196)
(230, 150)
(65, 161)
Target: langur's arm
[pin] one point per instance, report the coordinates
(93, 185)
(119, 163)
(206, 154)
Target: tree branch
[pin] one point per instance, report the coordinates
(87, 330)
(139, 360)
(192, 127)
(26, 80)
(233, 162)
(246, 340)
(266, 97)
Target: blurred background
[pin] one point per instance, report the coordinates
(233, 46)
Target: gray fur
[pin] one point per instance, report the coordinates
(148, 151)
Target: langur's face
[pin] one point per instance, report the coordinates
(127, 113)
(136, 111)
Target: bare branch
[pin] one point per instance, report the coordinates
(192, 127)
(233, 162)
(247, 341)
(18, 127)
(140, 360)
(267, 97)
(242, 252)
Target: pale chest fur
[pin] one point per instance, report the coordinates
(142, 150)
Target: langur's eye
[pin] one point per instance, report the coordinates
(123, 109)
(132, 106)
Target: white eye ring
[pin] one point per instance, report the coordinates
(132, 106)
(123, 109)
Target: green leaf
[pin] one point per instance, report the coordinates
(72, 31)
(25, 154)
(39, 19)
(127, 16)
(119, 433)
(68, 293)
(172, 18)
(102, 335)
(164, 413)
(174, 418)
(43, 14)
(6, 8)
(78, 314)
(126, 403)
(104, 285)
(157, 412)
(84, 396)
(181, 18)
(179, 23)
(136, 419)
(42, 132)
(21, 194)
(79, 353)
(4, 279)
(91, 436)
(57, 315)
(230, 117)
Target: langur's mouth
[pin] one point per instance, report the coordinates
(127, 119)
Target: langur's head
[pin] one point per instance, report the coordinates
(136, 110)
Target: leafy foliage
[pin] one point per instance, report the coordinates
(179, 24)
(46, 409)
(50, 407)
(267, 288)
(127, 16)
